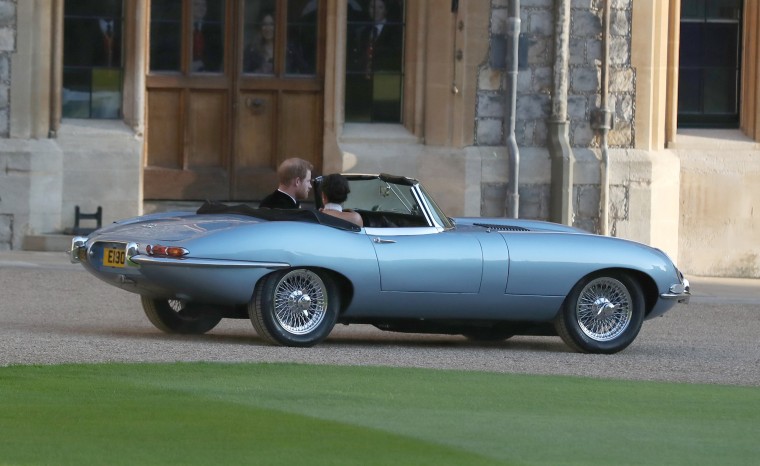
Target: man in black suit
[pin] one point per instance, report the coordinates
(295, 183)
(375, 65)
(107, 50)
(380, 42)
(207, 45)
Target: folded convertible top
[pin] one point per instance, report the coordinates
(278, 215)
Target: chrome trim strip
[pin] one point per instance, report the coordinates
(143, 259)
(400, 231)
(424, 206)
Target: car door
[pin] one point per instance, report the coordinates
(426, 259)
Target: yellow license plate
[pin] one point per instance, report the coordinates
(114, 257)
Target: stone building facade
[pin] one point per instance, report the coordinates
(690, 192)
(7, 46)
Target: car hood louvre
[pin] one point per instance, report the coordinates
(501, 227)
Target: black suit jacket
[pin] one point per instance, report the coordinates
(279, 200)
(386, 47)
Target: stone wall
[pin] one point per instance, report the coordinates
(7, 47)
(720, 188)
(534, 105)
(30, 189)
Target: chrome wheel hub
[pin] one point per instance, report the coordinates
(300, 302)
(604, 309)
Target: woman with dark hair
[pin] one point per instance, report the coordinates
(259, 55)
(334, 193)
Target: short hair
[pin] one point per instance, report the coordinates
(335, 188)
(293, 168)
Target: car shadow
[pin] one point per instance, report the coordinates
(342, 340)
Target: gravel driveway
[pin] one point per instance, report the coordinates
(54, 312)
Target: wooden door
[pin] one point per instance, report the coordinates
(223, 111)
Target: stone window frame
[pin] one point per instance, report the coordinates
(749, 104)
(133, 64)
(439, 86)
(749, 85)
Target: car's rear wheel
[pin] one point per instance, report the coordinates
(297, 307)
(176, 316)
(602, 314)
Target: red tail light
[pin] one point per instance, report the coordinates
(166, 251)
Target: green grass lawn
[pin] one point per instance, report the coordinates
(207, 413)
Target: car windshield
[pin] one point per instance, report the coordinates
(381, 196)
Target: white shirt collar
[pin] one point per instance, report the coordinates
(333, 206)
(104, 23)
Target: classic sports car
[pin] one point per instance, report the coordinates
(296, 273)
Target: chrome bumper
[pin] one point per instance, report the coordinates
(78, 251)
(679, 291)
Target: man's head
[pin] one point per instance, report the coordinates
(377, 10)
(295, 177)
(199, 10)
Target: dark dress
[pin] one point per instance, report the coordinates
(279, 200)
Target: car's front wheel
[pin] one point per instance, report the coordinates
(602, 314)
(297, 307)
(176, 316)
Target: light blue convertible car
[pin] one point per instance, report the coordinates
(296, 273)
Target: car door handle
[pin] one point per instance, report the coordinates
(382, 241)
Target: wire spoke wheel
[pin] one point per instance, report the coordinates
(297, 307)
(604, 309)
(602, 314)
(300, 302)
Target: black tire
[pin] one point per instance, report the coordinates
(296, 307)
(602, 314)
(175, 316)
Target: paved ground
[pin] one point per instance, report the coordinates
(53, 312)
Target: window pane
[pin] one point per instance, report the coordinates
(165, 35)
(301, 49)
(92, 56)
(723, 9)
(689, 91)
(710, 64)
(722, 46)
(208, 38)
(374, 54)
(106, 93)
(358, 106)
(260, 18)
(76, 93)
(691, 46)
(720, 91)
(693, 9)
(386, 97)
(93, 8)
